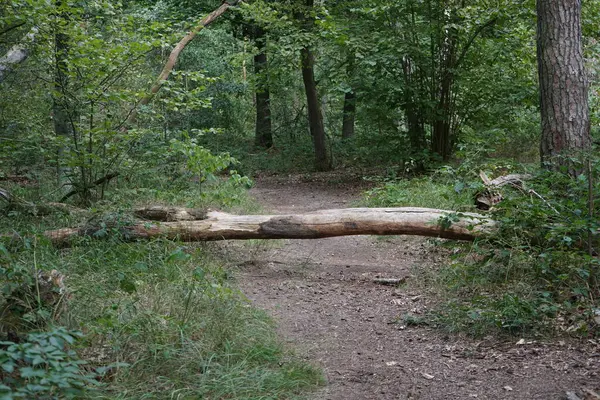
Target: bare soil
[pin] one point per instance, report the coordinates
(323, 296)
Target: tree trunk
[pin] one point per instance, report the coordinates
(314, 225)
(315, 118)
(563, 82)
(349, 114)
(441, 136)
(64, 127)
(168, 67)
(412, 111)
(264, 135)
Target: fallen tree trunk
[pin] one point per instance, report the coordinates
(13, 203)
(314, 225)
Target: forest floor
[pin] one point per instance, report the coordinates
(324, 299)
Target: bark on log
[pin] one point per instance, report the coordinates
(314, 225)
(170, 214)
(512, 179)
(11, 202)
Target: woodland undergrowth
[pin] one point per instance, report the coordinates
(155, 319)
(539, 275)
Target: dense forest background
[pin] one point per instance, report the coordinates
(108, 105)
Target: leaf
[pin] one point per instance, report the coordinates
(8, 367)
(141, 266)
(28, 372)
(178, 255)
(459, 187)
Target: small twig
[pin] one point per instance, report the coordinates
(572, 396)
(5, 194)
(97, 182)
(531, 191)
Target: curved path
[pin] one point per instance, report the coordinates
(323, 296)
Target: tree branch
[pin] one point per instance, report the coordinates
(474, 35)
(164, 75)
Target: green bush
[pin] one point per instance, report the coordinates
(541, 264)
(43, 367)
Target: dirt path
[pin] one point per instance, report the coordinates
(322, 294)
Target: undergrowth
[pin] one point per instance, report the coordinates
(539, 274)
(151, 320)
(420, 192)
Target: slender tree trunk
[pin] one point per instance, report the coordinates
(563, 82)
(315, 118)
(63, 122)
(168, 67)
(315, 115)
(349, 114)
(441, 141)
(264, 135)
(412, 111)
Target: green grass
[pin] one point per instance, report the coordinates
(170, 311)
(420, 192)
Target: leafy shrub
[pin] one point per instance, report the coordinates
(541, 264)
(43, 367)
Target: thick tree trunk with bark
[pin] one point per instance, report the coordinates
(563, 82)
(264, 135)
(314, 225)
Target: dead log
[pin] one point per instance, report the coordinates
(13, 203)
(314, 225)
(490, 196)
